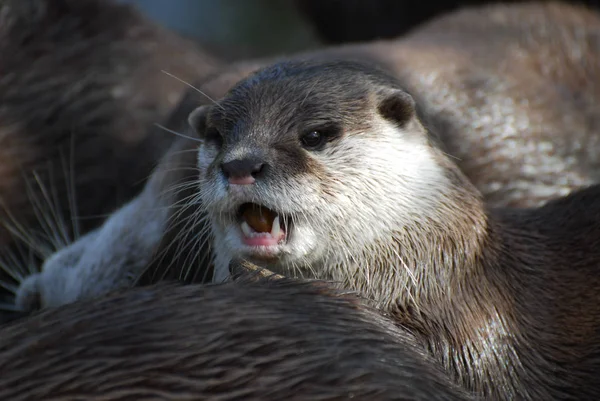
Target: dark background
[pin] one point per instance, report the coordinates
(250, 28)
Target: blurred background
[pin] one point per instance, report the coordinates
(253, 28)
(246, 28)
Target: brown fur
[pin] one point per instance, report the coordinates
(509, 92)
(80, 89)
(506, 299)
(265, 340)
(507, 88)
(462, 67)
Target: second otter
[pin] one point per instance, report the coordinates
(264, 340)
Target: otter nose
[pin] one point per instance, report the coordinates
(243, 171)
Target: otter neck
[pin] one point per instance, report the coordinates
(418, 263)
(440, 278)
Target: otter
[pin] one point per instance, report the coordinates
(252, 339)
(76, 119)
(349, 184)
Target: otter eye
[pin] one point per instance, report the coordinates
(212, 135)
(312, 139)
(317, 137)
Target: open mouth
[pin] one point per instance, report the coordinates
(260, 226)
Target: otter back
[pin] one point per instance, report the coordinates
(260, 340)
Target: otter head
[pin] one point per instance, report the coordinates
(305, 166)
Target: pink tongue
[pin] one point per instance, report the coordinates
(261, 241)
(260, 220)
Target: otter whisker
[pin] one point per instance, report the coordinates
(188, 223)
(43, 196)
(12, 269)
(170, 131)
(18, 231)
(191, 86)
(180, 239)
(176, 189)
(71, 190)
(55, 221)
(8, 287)
(201, 243)
(189, 168)
(189, 202)
(41, 214)
(17, 269)
(205, 257)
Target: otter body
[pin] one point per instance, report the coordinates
(261, 340)
(77, 114)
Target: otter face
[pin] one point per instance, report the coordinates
(307, 164)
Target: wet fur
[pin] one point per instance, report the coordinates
(479, 288)
(504, 298)
(246, 340)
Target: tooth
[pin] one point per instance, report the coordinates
(246, 229)
(275, 228)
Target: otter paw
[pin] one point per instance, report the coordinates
(52, 286)
(243, 268)
(28, 297)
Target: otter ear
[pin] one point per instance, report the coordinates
(197, 119)
(397, 106)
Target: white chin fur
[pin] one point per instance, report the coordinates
(301, 243)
